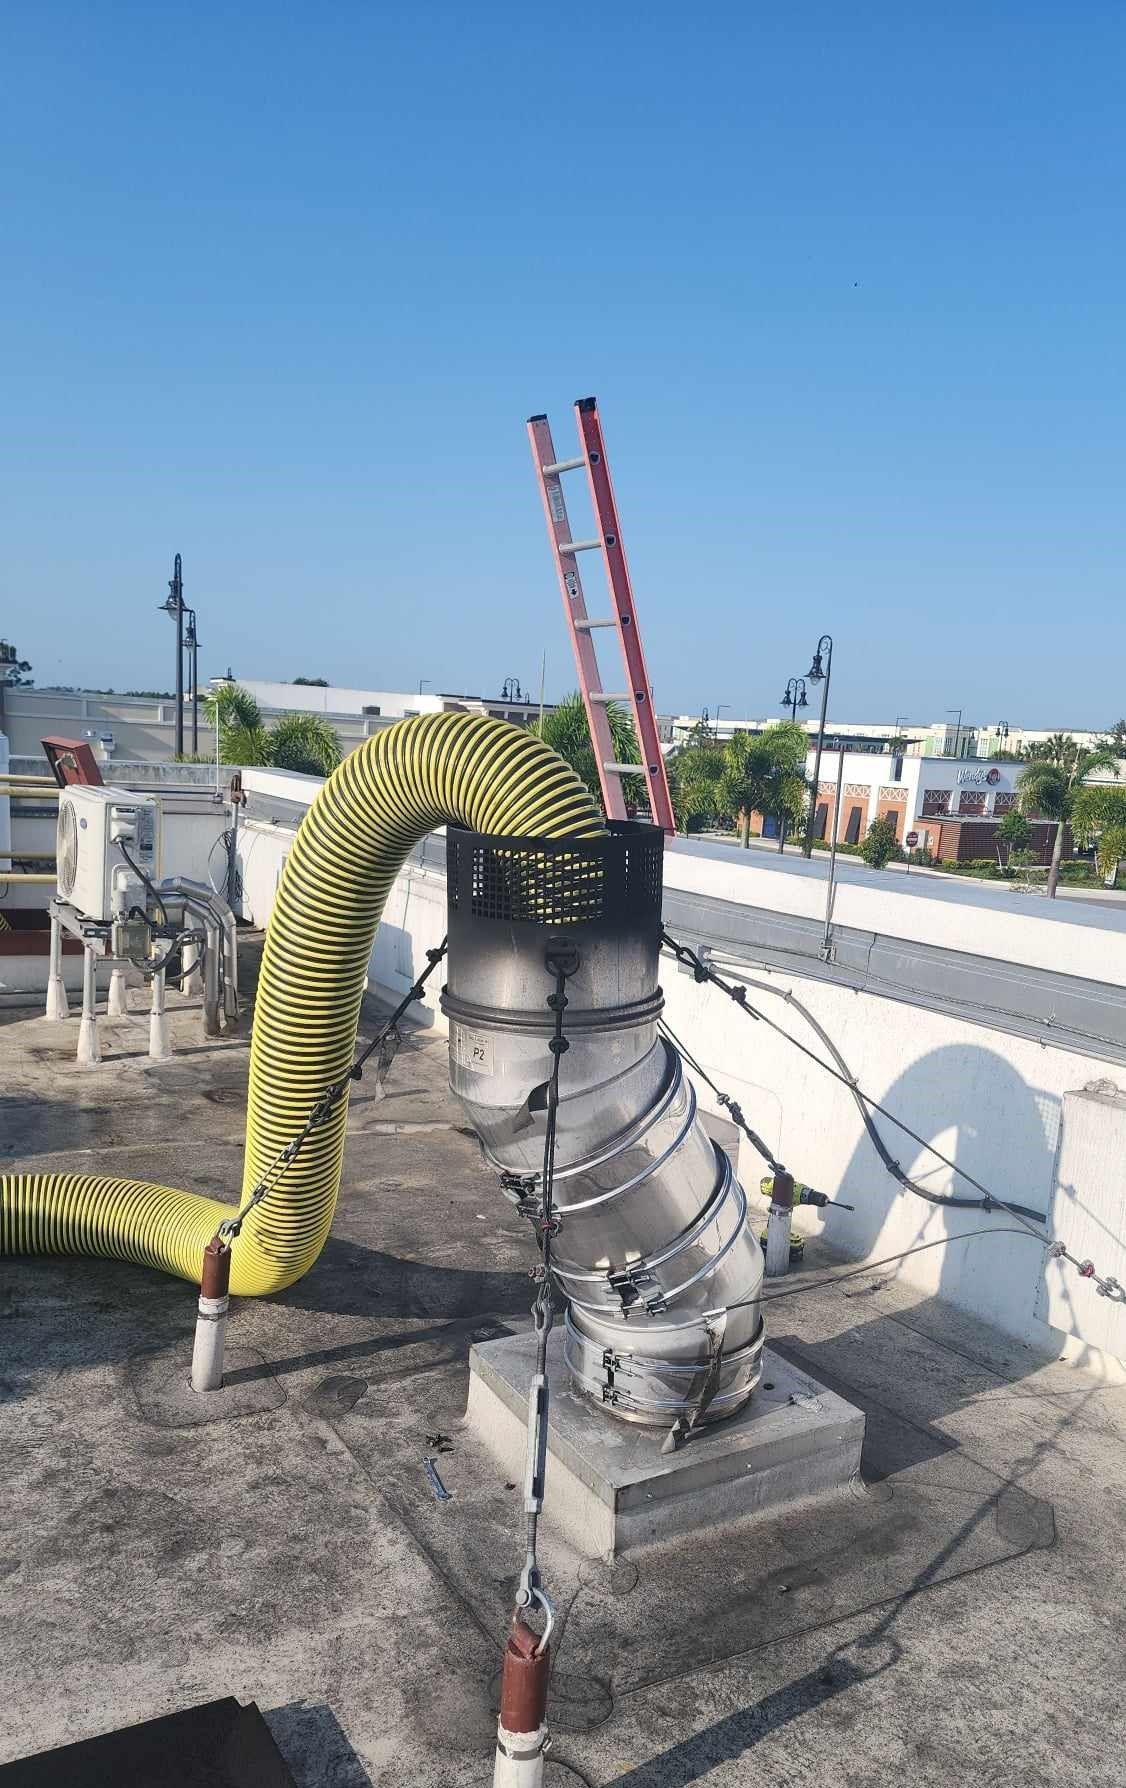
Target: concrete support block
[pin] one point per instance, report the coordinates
(609, 1486)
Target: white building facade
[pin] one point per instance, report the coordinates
(947, 806)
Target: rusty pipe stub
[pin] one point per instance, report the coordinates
(782, 1191)
(211, 1318)
(215, 1280)
(524, 1678)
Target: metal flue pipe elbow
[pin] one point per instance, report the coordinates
(654, 1253)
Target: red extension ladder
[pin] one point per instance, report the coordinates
(566, 549)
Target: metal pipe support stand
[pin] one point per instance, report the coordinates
(211, 1320)
(191, 981)
(778, 1226)
(89, 1049)
(160, 1046)
(57, 1007)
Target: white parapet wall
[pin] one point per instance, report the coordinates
(992, 1101)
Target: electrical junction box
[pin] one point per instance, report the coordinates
(97, 827)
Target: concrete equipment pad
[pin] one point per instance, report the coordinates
(610, 1486)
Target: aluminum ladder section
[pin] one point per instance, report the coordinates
(639, 694)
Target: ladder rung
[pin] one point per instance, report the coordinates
(624, 769)
(579, 546)
(602, 695)
(585, 626)
(563, 465)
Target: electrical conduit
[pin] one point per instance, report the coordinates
(476, 772)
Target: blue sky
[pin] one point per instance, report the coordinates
(282, 284)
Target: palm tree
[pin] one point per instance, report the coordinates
(694, 771)
(765, 773)
(1098, 816)
(1051, 783)
(567, 731)
(232, 706)
(302, 742)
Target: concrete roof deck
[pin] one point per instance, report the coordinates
(959, 1620)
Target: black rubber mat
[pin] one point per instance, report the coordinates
(218, 1745)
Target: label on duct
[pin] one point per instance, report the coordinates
(474, 1050)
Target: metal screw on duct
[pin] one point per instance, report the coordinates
(211, 1320)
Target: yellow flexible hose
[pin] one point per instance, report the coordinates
(474, 771)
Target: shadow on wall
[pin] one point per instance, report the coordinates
(973, 1105)
(397, 959)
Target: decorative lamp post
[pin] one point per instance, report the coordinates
(173, 606)
(818, 672)
(793, 697)
(191, 641)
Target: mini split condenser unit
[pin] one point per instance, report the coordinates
(103, 831)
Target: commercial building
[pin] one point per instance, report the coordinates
(677, 729)
(947, 806)
(129, 730)
(381, 706)
(937, 738)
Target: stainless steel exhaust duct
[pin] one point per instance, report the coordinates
(654, 1253)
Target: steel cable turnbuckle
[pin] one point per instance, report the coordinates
(562, 962)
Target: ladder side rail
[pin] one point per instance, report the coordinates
(574, 608)
(617, 572)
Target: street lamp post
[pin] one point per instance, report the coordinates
(719, 707)
(174, 606)
(191, 641)
(957, 730)
(818, 672)
(793, 697)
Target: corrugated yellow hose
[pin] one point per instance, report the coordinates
(385, 797)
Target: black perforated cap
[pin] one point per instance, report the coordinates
(613, 883)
